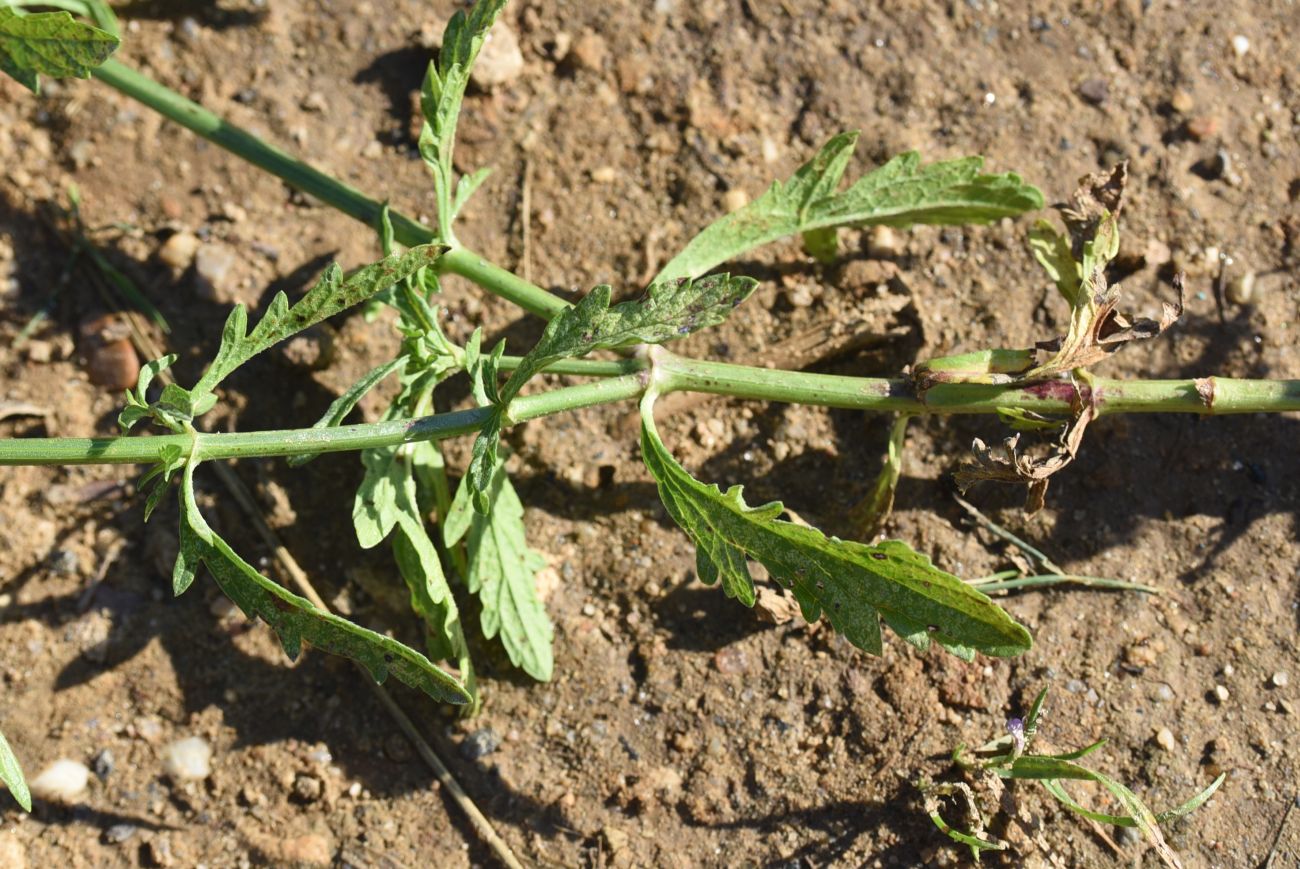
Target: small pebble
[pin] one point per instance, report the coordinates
(604, 174)
(214, 273)
(480, 743)
(188, 759)
(1202, 127)
(63, 561)
(1095, 91)
(731, 660)
(1280, 679)
(1240, 45)
(588, 52)
(103, 763)
(178, 250)
(1181, 101)
(315, 101)
(499, 61)
(884, 242)
(307, 788)
(616, 839)
(119, 833)
(1241, 288)
(114, 366)
(1157, 253)
(1165, 739)
(735, 199)
(39, 351)
(799, 296)
(1221, 694)
(61, 782)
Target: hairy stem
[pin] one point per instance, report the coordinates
(675, 373)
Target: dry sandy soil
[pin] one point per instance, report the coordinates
(679, 729)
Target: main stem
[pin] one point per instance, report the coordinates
(674, 373)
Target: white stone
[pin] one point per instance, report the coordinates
(61, 782)
(188, 759)
(499, 61)
(1240, 45)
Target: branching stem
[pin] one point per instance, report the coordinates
(678, 374)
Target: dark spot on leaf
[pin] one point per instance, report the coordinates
(934, 629)
(388, 658)
(879, 556)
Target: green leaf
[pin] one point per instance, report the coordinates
(440, 99)
(50, 43)
(901, 193)
(1052, 250)
(502, 571)
(158, 478)
(1050, 769)
(12, 775)
(137, 400)
(431, 598)
(375, 509)
(296, 621)
(854, 584)
(668, 310)
(340, 407)
(331, 294)
(466, 186)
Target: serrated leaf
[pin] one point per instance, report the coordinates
(50, 43)
(466, 186)
(853, 584)
(440, 98)
(421, 568)
(502, 571)
(296, 621)
(11, 773)
(668, 310)
(901, 193)
(374, 508)
(331, 294)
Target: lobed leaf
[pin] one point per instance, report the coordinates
(440, 99)
(294, 619)
(668, 310)
(331, 294)
(50, 43)
(374, 507)
(853, 584)
(901, 193)
(11, 773)
(502, 571)
(421, 568)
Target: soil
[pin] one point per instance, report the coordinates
(680, 729)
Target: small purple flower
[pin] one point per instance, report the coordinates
(1016, 727)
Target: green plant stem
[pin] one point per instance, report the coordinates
(331, 191)
(145, 450)
(899, 395)
(675, 373)
(997, 584)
